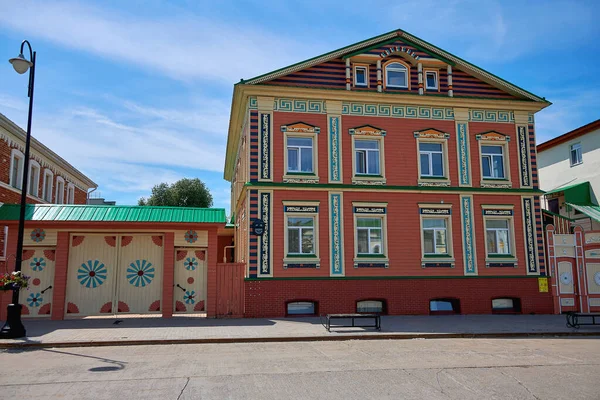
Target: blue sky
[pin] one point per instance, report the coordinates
(134, 93)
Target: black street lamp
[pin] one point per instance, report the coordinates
(13, 328)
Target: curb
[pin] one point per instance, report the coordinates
(391, 336)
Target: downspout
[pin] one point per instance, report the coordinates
(225, 253)
(87, 201)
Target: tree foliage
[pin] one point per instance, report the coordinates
(183, 193)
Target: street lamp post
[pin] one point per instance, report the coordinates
(13, 328)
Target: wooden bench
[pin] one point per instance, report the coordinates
(574, 319)
(375, 317)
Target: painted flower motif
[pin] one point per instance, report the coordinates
(189, 297)
(92, 274)
(140, 273)
(35, 299)
(191, 236)
(191, 263)
(38, 234)
(38, 264)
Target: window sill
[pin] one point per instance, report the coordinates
(496, 183)
(300, 178)
(360, 258)
(445, 259)
(368, 180)
(296, 257)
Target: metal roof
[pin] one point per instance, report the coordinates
(101, 213)
(590, 210)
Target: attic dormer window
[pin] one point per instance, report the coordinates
(360, 76)
(396, 76)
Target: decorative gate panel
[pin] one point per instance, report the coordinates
(38, 263)
(189, 294)
(91, 275)
(565, 277)
(139, 282)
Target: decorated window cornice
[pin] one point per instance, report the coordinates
(300, 127)
(493, 136)
(367, 130)
(431, 133)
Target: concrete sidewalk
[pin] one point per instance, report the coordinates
(133, 331)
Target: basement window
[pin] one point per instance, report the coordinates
(301, 308)
(370, 306)
(444, 306)
(506, 305)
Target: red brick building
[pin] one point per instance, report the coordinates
(52, 180)
(390, 176)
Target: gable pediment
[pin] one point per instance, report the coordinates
(367, 130)
(300, 127)
(493, 136)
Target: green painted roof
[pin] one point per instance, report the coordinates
(577, 193)
(590, 210)
(101, 213)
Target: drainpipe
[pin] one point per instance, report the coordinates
(87, 201)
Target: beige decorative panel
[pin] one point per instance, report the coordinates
(38, 263)
(595, 302)
(567, 302)
(592, 253)
(191, 238)
(139, 280)
(593, 278)
(567, 240)
(565, 277)
(189, 294)
(91, 274)
(564, 251)
(39, 237)
(593, 237)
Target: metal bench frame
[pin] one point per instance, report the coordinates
(573, 319)
(376, 318)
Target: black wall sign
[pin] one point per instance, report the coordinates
(258, 227)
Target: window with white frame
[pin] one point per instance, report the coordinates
(301, 308)
(576, 156)
(361, 75)
(435, 236)
(369, 235)
(367, 157)
(431, 80)
(34, 179)
(47, 188)
(300, 235)
(300, 154)
(60, 190)
(16, 169)
(432, 159)
(70, 193)
(492, 162)
(369, 306)
(498, 236)
(396, 75)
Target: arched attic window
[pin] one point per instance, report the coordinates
(396, 75)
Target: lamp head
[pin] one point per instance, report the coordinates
(20, 64)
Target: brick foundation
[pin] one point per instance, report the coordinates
(402, 296)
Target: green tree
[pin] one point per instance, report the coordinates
(183, 193)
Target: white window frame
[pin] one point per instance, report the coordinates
(496, 230)
(300, 230)
(368, 306)
(382, 257)
(429, 154)
(301, 257)
(35, 179)
(60, 190)
(437, 257)
(365, 68)
(70, 193)
(433, 179)
(497, 139)
(368, 153)
(312, 176)
(391, 66)
(578, 150)
(435, 230)
(299, 148)
(48, 175)
(16, 154)
(491, 158)
(436, 87)
(499, 257)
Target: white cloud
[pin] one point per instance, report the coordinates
(183, 46)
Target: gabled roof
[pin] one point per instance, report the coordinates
(411, 39)
(97, 213)
(582, 130)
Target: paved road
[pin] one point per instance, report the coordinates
(556, 368)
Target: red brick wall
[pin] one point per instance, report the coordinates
(267, 299)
